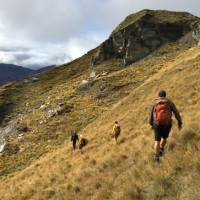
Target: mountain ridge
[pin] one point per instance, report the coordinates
(160, 15)
(11, 72)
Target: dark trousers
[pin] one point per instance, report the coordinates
(162, 131)
(74, 145)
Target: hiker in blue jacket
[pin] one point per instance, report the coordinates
(74, 139)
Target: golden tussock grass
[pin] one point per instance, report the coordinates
(125, 171)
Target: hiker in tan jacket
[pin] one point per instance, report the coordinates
(82, 142)
(161, 121)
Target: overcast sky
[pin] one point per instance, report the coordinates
(35, 33)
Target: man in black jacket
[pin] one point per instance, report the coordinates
(74, 139)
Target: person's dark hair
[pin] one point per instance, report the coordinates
(116, 122)
(162, 93)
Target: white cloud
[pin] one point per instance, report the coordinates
(43, 20)
(6, 57)
(43, 32)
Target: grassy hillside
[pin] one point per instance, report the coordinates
(107, 170)
(38, 114)
(84, 104)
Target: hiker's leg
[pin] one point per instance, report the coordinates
(81, 148)
(157, 147)
(157, 139)
(116, 138)
(157, 151)
(74, 145)
(157, 142)
(162, 146)
(163, 143)
(165, 134)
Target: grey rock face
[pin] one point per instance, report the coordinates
(11, 129)
(34, 79)
(196, 33)
(93, 74)
(60, 109)
(2, 146)
(10, 149)
(139, 39)
(5, 132)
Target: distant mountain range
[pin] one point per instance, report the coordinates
(10, 72)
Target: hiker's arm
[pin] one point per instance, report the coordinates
(151, 115)
(176, 114)
(113, 130)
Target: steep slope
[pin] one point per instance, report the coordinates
(125, 171)
(28, 108)
(10, 72)
(38, 114)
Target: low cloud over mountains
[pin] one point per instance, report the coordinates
(37, 33)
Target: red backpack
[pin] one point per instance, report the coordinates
(162, 113)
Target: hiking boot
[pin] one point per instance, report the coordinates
(161, 152)
(157, 158)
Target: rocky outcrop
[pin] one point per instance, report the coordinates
(10, 149)
(60, 109)
(11, 129)
(143, 33)
(196, 32)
